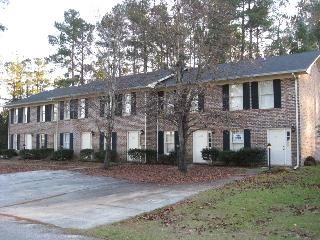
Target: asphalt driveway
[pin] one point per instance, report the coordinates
(72, 200)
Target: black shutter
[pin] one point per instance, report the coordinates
(71, 141)
(102, 106)
(176, 141)
(247, 138)
(37, 141)
(201, 102)
(12, 116)
(28, 114)
(48, 111)
(114, 141)
(118, 110)
(160, 142)
(61, 110)
(225, 97)
(74, 109)
(38, 113)
(133, 103)
(101, 141)
(277, 93)
(254, 95)
(45, 141)
(11, 141)
(86, 107)
(160, 100)
(246, 96)
(18, 141)
(61, 140)
(20, 115)
(226, 140)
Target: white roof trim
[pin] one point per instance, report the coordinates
(153, 85)
(309, 68)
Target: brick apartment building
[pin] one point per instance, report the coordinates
(274, 100)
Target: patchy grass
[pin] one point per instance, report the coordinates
(281, 205)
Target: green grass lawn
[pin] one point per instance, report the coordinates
(281, 205)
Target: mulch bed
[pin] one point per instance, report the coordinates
(160, 174)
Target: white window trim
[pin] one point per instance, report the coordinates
(26, 140)
(195, 104)
(66, 141)
(236, 145)
(42, 139)
(15, 143)
(55, 112)
(127, 104)
(82, 110)
(16, 113)
(233, 96)
(210, 140)
(67, 110)
(166, 142)
(25, 115)
(270, 105)
(43, 113)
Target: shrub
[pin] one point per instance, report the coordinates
(36, 154)
(62, 155)
(244, 157)
(210, 154)
(101, 155)
(227, 157)
(86, 154)
(170, 159)
(140, 155)
(310, 161)
(8, 153)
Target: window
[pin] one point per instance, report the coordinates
(28, 141)
(67, 110)
(168, 142)
(266, 96)
(195, 104)
(43, 113)
(16, 114)
(82, 108)
(66, 141)
(43, 141)
(55, 112)
(236, 140)
(25, 115)
(14, 142)
(170, 99)
(236, 97)
(127, 104)
(210, 140)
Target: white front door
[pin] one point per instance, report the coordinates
(28, 141)
(200, 141)
(280, 140)
(133, 141)
(86, 142)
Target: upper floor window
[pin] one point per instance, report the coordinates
(236, 97)
(83, 107)
(26, 114)
(66, 110)
(43, 113)
(266, 95)
(127, 104)
(16, 114)
(55, 112)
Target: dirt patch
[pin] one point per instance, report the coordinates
(161, 174)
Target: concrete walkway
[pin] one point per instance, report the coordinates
(71, 200)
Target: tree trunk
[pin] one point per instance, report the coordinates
(181, 153)
(243, 31)
(107, 158)
(250, 35)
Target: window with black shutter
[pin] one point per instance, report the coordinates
(133, 103)
(101, 141)
(226, 140)
(254, 95)
(18, 141)
(38, 113)
(20, 115)
(37, 141)
(114, 141)
(277, 93)
(247, 138)
(45, 145)
(201, 102)
(176, 141)
(118, 107)
(74, 109)
(71, 141)
(86, 107)
(11, 141)
(48, 112)
(246, 96)
(225, 97)
(12, 115)
(61, 110)
(160, 142)
(160, 101)
(28, 114)
(61, 142)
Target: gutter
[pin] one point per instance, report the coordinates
(297, 121)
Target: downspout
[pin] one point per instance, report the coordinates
(297, 121)
(145, 126)
(9, 123)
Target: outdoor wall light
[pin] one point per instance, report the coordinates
(141, 131)
(293, 128)
(269, 155)
(92, 133)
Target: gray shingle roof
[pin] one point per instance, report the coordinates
(294, 63)
(259, 67)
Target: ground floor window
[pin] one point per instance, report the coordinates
(168, 142)
(236, 140)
